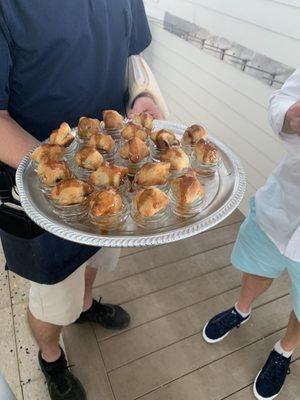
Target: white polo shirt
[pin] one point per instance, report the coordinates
(278, 202)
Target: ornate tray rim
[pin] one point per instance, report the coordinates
(150, 239)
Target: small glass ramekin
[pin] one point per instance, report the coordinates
(71, 213)
(110, 157)
(164, 188)
(186, 210)
(124, 188)
(133, 168)
(188, 148)
(205, 169)
(154, 222)
(108, 223)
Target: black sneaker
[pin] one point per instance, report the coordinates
(219, 326)
(270, 380)
(108, 315)
(62, 384)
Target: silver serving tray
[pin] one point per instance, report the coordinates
(224, 194)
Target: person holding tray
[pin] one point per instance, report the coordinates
(61, 60)
(269, 243)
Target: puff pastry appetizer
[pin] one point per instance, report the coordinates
(206, 153)
(52, 172)
(102, 142)
(89, 158)
(109, 175)
(112, 119)
(164, 139)
(62, 136)
(71, 192)
(194, 134)
(178, 159)
(145, 119)
(88, 127)
(132, 130)
(134, 150)
(105, 202)
(48, 151)
(187, 188)
(150, 201)
(152, 174)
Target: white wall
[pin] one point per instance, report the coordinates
(201, 88)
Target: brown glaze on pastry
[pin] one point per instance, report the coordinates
(105, 202)
(164, 139)
(178, 159)
(194, 134)
(206, 153)
(112, 119)
(150, 201)
(89, 158)
(132, 130)
(102, 142)
(187, 188)
(88, 127)
(109, 175)
(134, 150)
(49, 152)
(152, 174)
(145, 119)
(62, 136)
(52, 172)
(70, 192)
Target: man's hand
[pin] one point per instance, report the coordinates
(292, 120)
(145, 104)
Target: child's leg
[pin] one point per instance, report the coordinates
(291, 339)
(252, 287)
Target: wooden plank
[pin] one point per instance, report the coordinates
(145, 339)
(159, 278)
(235, 217)
(160, 255)
(221, 378)
(179, 296)
(191, 354)
(83, 351)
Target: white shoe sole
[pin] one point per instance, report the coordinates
(258, 396)
(211, 341)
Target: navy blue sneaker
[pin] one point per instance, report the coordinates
(270, 380)
(219, 326)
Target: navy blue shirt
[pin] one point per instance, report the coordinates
(60, 60)
(63, 59)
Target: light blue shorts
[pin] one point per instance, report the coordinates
(256, 254)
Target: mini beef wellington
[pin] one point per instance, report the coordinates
(206, 153)
(164, 139)
(132, 130)
(109, 175)
(105, 202)
(150, 201)
(194, 134)
(178, 159)
(71, 192)
(62, 136)
(102, 142)
(134, 150)
(89, 158)
(145, 119)
(48, 152)
(187, 189)
(152, 174)
(88, 127)
(52, 172)
(112, 119)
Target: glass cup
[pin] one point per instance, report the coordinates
(205, 169)
(71, 213)
(112, 222)
(156, 221)
(186, 210)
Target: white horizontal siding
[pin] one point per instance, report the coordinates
(269, 27)
(231, 104)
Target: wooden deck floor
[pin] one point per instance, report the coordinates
(170, 292)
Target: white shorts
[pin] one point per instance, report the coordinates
(61, 304)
